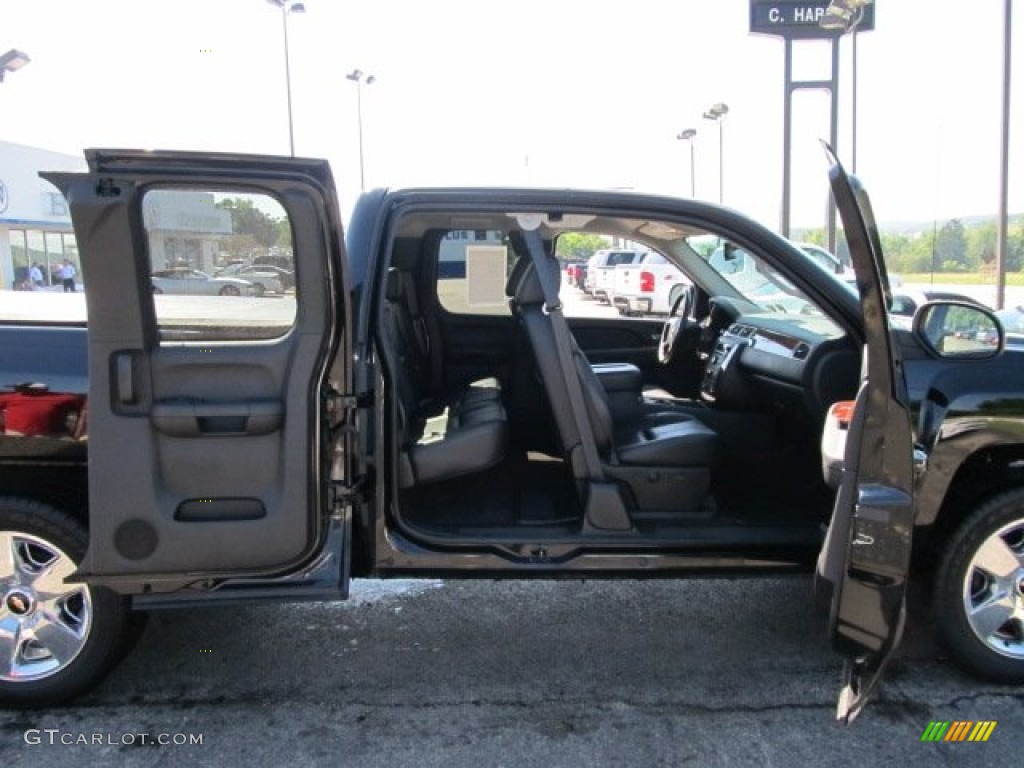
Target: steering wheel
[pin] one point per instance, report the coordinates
(677, 318)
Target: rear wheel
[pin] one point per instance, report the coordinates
(230, 290)
(979, 590)
(57, 639)
(259, 289)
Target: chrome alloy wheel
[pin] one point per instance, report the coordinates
(44, 623)
(993, 591)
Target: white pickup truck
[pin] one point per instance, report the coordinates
(649, 286)
(600, 269)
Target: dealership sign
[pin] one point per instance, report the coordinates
(795, 19)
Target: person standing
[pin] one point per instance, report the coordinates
(35, 274)
(66, 274)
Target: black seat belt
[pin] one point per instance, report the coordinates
(604, 509)
(563, 345)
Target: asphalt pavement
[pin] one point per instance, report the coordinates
(499, 673)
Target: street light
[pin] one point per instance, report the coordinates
(357, 77)
(12, 61)
(717, 112)
(843, 16)
(287, 7)
(687, 135)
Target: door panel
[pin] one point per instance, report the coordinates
(205, 436)
(866, 555)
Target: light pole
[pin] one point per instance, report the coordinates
(688, 135)
(717, 112)
(357, 77)
(287, 7)
(843, 16)
(1004, 163)
(12, 61)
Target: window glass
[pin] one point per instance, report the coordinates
(472, 267)
(221, 263)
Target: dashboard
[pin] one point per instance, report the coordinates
(756, 360)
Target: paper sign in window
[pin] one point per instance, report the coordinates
(485, 275)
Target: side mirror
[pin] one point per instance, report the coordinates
(957, 329)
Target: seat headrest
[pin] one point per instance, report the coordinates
(393, 285)
(529, 290)
(516, 275)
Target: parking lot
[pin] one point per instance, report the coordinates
(535, 673)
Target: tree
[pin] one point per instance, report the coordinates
(579, 245)
(248, 220)
(951, 248)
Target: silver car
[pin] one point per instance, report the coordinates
(263, 278)
(196, 283)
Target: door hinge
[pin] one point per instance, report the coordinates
(343, 495)
(338, 402)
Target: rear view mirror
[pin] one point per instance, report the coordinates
(959, 329)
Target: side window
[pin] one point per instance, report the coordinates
(221, 265)
(472, 267)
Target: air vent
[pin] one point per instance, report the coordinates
(742, 330)
(801, 351)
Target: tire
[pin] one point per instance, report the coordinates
(230, 290)
(92, 623)
(983, 562)
(157, 290)
(259, 289)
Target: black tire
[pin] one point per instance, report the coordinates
(230, 290)
(1000, 658)
(107, 633)
(259, 289)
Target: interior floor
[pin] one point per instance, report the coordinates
(525, 490)
(531, 496)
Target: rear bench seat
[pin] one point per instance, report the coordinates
(439, 437)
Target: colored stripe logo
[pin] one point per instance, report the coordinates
(958, 730)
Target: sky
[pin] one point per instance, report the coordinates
(535, 92)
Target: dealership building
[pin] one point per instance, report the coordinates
(35, 227)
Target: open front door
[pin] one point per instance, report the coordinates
(208, 456)
(866, 554)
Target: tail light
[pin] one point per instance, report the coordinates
(842, 412)
(646, 282)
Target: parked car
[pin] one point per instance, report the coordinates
(576, 273)
(599, 271)
(395, 437)
(285, 276)
(263, 279)
(906, 302)
(650, 286)
(197, 283)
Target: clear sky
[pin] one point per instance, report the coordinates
(552, 92)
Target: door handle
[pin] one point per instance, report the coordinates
(124, 373)
(200, 419)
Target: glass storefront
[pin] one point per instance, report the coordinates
(44, 249)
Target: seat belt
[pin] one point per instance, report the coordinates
(604, 510)
(563, 345)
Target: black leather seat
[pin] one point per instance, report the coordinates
(439, 437)
(664, 458)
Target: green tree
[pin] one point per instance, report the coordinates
(951, 247)
(248, 220)
(981, 244)
(579, 245)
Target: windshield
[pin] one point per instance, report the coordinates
(756, 281)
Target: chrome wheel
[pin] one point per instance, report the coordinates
(44, 623)
(993, 591)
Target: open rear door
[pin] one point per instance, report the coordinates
(208, 454)
(866, 554)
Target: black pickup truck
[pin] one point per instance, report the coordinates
(427, 402)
